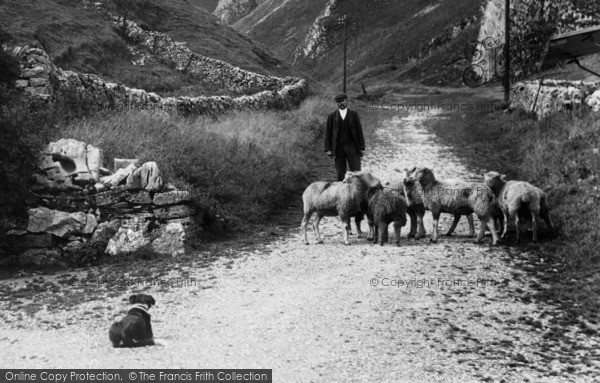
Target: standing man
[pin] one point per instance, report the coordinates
(344, 139)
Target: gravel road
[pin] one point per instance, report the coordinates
(324, 313)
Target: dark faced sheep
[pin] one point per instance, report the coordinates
(457, 198)
(385, 206)
(332, 199)
(519, 199)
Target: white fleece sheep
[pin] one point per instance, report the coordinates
(414, 193)
(458, 198)
(385, 206)
(332, 199)
(519, 199)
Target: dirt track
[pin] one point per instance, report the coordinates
(328, 313)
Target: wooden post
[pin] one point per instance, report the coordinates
(344, 89)
(507, 54)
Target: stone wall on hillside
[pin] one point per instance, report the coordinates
(556, 96)
(207, 69)
(42, 79)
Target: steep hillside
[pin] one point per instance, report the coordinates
(423, 40)
(207, 5)
(383, 36)
(81, 36)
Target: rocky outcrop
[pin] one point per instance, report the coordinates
(553, 96)
(536, 18)
(171, 240)
(230, 11)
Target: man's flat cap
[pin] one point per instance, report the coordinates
(340, 97)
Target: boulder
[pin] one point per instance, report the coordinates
(67, 163)
(118, 177)
(150, 177)
(134, 180)
(171, 240)
(60, 223)
(105, 231)
(130, 237)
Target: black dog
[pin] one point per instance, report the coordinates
(135, 329)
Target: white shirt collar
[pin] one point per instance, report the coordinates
(343, 113)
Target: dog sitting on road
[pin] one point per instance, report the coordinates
(135, 330)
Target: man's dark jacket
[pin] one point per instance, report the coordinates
(333, 128)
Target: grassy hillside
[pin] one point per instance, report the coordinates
(383, 36)
(80, 37)
(207, 5)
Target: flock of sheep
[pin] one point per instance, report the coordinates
(418, 190)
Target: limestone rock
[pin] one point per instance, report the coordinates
(134, 180)
(59, 223)
(119, 176)
(171, 240)
(130, 237)
(172, 212)
(142, 197)
(105, 231)
(172, 197)
(150, 175)
(67, 163)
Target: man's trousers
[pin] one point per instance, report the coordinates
(346, 153)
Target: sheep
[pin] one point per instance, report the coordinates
(519, 199)
(332, 199)
(385, 206)
(458, 198)
(415, 199)
(415, 208)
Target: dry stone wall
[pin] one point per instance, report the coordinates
(82, 208)
(556, 96)
(42, 79)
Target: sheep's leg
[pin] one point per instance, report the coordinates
(316, 226)
(371, 231)
(305, 219)
(534, 224)
(506, 219)
(436, 220)
(546, 217)
(453, 226)
(489, 222)
(413, 223)
(492, 227)
(383, 232)
(397, 229)
(420, 226)
(517, 226)
(345, 225)
(471, 225)
(357, 220)
(375, 233)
